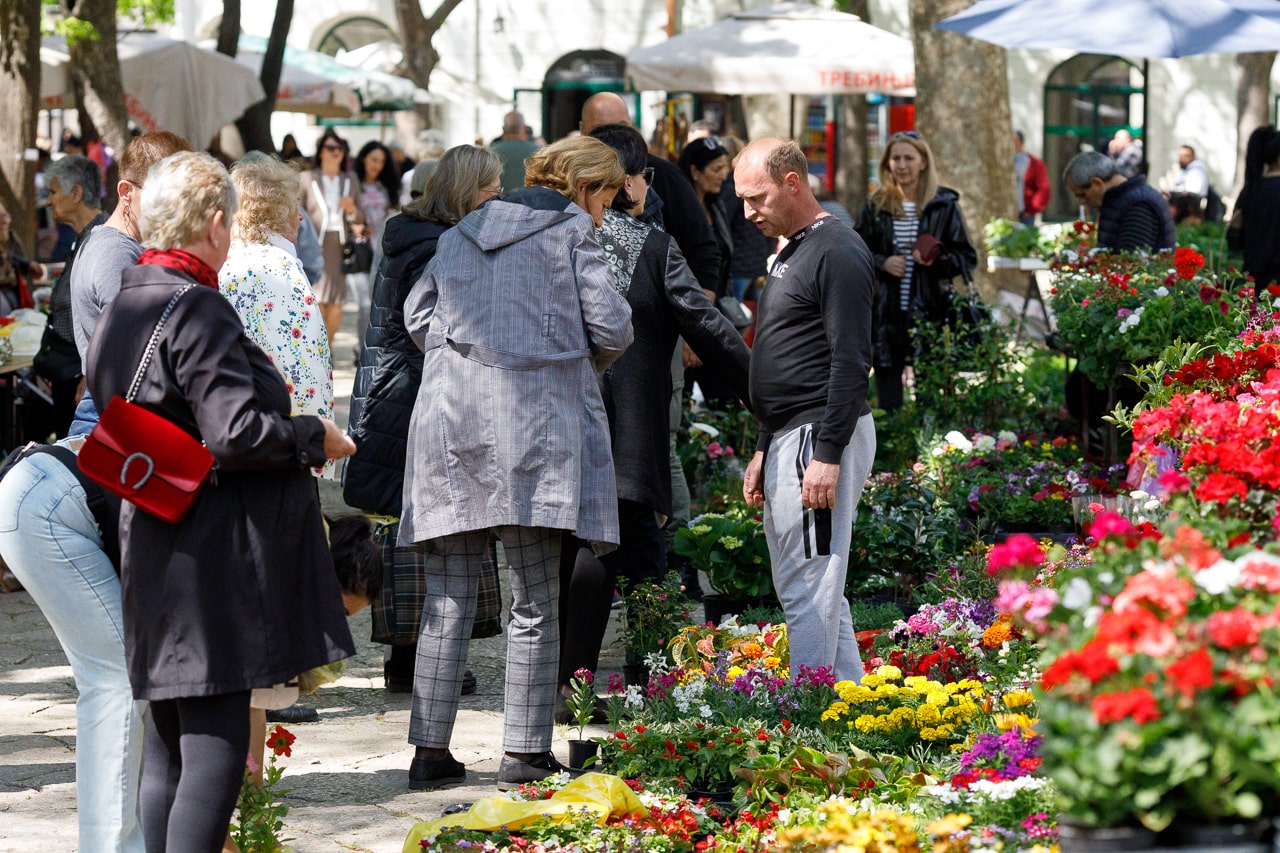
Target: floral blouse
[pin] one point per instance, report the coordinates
(266, 285)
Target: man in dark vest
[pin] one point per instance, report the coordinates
(1132, 216)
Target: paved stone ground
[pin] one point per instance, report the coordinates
(348, 777)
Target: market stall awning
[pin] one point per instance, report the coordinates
(376, 90)
(784, 48)
(169, 85)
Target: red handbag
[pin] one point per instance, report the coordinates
(143, 457)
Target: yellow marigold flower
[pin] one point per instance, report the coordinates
(889, 673)
(914, 681)
(949, 824)
(888, 690)
(1018, 699)
(1000, 632)
(865, 723)
(872, 680)
(734, 672)
(928, 734)
(927, 715)
(773, 662)
(939, 698)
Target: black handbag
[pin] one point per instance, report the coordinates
(57, 360)
(357, 255)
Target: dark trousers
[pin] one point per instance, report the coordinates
(890, 391)
(587, 583)
(192, 767)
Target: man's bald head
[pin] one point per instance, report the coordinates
(603, 108)
(771, 177)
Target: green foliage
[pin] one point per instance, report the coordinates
(963, 382)
(654, 612)
(1005, 238)
(144, 13)
(714, 447)
(260, 812)
(868, 616)
(1210, 238)
(731, 548)
(901, 534)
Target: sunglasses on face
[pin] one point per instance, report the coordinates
(647, 174)
(331, 146)
(905, 134)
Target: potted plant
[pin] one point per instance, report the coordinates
(1158, 704)
(652, 614)
(731, 548)
(582, 704)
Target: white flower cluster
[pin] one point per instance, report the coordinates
(986, 789)
(1132, 320)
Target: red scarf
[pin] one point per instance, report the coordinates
(184, 262)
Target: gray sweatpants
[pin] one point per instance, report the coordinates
(810, 548)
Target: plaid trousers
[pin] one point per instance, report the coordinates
(533, 635)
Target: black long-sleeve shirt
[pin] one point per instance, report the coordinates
(812, 350)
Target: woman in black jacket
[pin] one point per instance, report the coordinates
(387, 381)
(909, 203)
(241, 593)
(666, 302)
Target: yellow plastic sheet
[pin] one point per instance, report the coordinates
(604, 795)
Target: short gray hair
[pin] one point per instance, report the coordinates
(1087, 165)
(267, 189)
(181, 194)
(74, 171)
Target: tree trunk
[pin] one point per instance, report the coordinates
(229, 28)
(851, 151)
(420, 58)
(19, 104)
(96, 69)
(1253, 107)
(962, 109)
(255, 124)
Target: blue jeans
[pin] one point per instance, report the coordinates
(51, 543)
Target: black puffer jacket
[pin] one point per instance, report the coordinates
(390, 371)
(941, 218)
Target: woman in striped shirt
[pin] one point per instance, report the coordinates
(909, 203)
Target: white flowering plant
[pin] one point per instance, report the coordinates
(1114, 311)
(1011, 479)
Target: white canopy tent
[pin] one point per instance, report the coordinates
(169, 85)
(783, 48)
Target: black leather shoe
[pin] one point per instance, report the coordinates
(429, 774)
(294, 714)
(513, 773)
(468, 683)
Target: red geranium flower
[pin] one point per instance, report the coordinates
(281, 741)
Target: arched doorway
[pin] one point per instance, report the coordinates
(572, 79)
(356, 32)
(1086, 100)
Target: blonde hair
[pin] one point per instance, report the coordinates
(450, 191)
(181, 194)
(889, 196)
(268, 191)
(565, 164)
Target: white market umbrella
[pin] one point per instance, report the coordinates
(386, 56)
(1144, 28)
(376, 91)
(303, 91)
(169, 85)
(779, 49)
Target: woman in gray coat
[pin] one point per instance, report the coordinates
(242, 592)
(509, 439)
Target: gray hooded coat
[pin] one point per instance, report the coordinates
(515, 314)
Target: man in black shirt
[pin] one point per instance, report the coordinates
(809, 367)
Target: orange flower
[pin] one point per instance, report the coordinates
(1000, 632)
